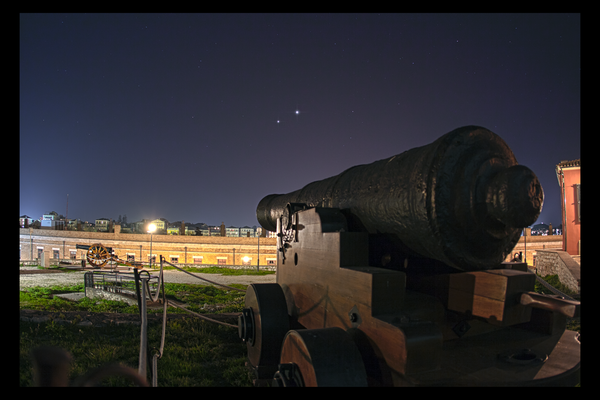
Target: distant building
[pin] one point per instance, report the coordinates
(568, 174)
(246, 230)
(260, 231)
(205, 231)
(232, 231)
(141, 226)
(25, 221)
(72, 224)
(102, 224)
(175, 229)
(161, 224)
(540, 229)
(52, 221)
(214, 231)
(271, 234)
(48, 220)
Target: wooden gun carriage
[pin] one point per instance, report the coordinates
(392, 274)
(98, 256)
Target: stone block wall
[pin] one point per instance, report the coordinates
(558, 262)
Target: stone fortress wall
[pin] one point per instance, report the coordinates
(191, 250)
(543, 253)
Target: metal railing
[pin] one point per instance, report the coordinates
(117, 282)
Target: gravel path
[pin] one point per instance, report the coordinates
(76, 277)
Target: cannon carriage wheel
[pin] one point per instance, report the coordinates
(263, 324)
(320, 357)
(98, 255)
(302, 357)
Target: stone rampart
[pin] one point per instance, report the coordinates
(190, 250)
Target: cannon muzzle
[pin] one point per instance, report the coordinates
(462, 200)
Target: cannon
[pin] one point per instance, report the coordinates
(98, 255)
(462, 200)
(392, 274)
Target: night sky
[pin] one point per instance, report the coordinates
(197, 117)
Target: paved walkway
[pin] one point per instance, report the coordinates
(171, 276)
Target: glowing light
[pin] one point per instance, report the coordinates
(246, 259)
(151, 228)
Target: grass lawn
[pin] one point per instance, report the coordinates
(196, 352)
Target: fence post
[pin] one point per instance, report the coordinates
(144, 333)
(45, 259)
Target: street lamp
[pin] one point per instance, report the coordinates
(151, 229)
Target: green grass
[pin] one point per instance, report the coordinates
(554, 281)
(223, 271)
(199, 298)
(43, 299)
(197, 353)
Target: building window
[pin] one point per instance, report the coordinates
(40, 251)
(271, 261)
(55, 254)
(246, 260)
(130, 257)
(73, 254)
(174, 259)
(197, 260)
(221, 261)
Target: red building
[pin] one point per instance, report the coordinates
(568, 174)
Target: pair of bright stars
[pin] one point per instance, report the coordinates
(297, 112)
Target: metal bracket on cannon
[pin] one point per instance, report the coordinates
(287, 228)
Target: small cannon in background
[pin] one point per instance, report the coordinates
(392, 274)
(98, 255)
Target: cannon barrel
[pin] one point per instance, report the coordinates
(462, 200)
